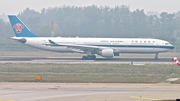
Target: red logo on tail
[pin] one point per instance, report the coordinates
(18, 27)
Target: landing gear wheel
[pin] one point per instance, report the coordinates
(93, 56)
(156, 58)
(89, 57)
(84, 57)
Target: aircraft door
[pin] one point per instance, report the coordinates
(157, 43)
(126, 42)
(155, 49)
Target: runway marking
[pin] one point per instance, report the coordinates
(7, 100)
(107, 99)
(144, 98)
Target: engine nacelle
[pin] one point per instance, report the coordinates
(107, 53)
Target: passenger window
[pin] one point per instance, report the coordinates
(149, 41)
(166, 43)
(144, 41)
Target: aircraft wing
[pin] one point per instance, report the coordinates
(81, 47)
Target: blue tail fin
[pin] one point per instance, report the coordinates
(20, 28)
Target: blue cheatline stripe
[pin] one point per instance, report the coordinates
(130, 46)
(135, 46)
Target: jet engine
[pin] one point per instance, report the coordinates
(107, 53)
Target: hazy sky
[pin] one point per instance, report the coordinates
(16, 6)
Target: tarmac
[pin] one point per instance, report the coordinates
(10, 91)
(88, 91)
(79, 60)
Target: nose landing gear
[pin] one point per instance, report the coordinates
(156, 57)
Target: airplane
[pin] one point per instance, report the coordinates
(105, 47)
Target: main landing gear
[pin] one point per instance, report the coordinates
(156, 57)
(89, 57)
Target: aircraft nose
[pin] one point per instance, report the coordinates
(172, 47)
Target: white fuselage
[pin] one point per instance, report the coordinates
(119, 45)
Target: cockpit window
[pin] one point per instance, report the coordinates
(166, 43)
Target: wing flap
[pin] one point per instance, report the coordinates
(81, 47)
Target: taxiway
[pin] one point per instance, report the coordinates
(87, 92)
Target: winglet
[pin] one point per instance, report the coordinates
(20, 28)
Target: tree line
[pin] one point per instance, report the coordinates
(93, 21)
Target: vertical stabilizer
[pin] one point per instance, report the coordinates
(20, 28)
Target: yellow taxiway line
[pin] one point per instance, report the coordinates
(144, 98)
(122, 97)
